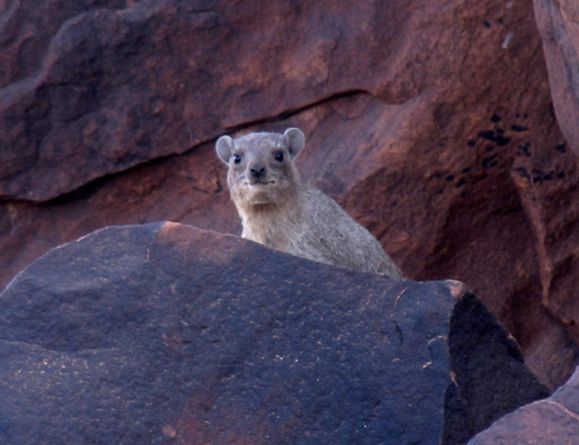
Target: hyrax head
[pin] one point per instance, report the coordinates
(261, 166)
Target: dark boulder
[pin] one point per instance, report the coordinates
(165, 333)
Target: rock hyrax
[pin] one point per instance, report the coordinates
(279, 211)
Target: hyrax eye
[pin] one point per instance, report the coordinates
(278, 156)
(237, 158)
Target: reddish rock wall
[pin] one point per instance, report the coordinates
(558, 22)
(431, 122)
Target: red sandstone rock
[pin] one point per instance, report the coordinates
(117, 87)
(431, 125)
(559, 26)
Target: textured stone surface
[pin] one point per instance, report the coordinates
(424, 120)
(164, 333)
(116, 87)
(558, 23)
(553, 421)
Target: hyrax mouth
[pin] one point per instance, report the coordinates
(259, 183)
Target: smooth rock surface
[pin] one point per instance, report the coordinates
(165, 333)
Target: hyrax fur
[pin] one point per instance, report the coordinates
(279, 211)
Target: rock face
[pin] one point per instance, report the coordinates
(558, 23)
(164, 333)
(553, 421)
(425, 121)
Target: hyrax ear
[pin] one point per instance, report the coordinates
(295, 141)
(224, 148)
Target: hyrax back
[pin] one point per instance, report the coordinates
(279, 211)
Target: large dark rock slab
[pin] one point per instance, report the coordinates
(553, 421)
(164, 333)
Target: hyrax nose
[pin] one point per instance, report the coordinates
(257, 171)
